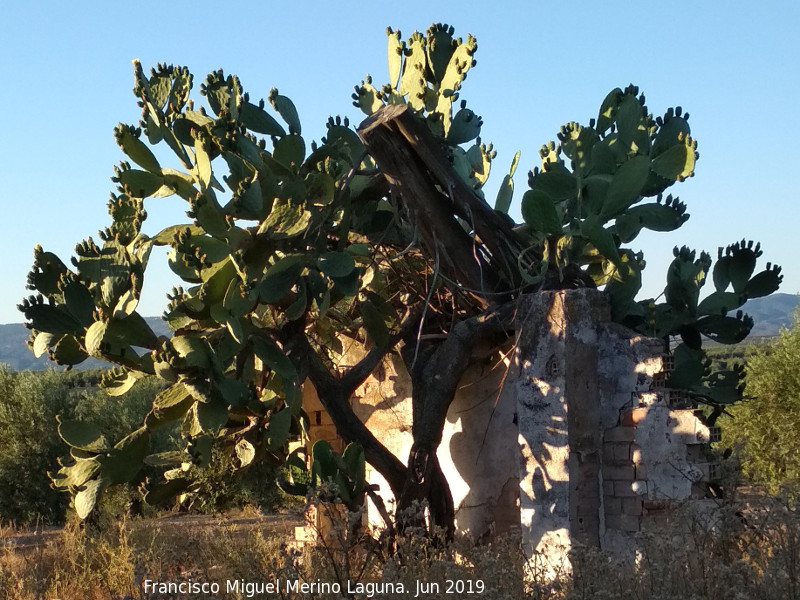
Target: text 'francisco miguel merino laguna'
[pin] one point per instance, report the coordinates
(250, 589)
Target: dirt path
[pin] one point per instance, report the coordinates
(26, 539)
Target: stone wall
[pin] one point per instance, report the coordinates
(478, 454)
(606, 451)
(568, 436)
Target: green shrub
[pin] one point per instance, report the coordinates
(30, 447)
(29, 444)
(766, 427)
(222, 488)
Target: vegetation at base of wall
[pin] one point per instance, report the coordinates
(30, 448)
(751, 555)
(766, 427)
(223, 488)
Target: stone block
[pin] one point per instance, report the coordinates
(305, 533)
(656, 507)
(624, 489)
(623, 522)
(617, 453)
(620, 434)
(619, 473)
(612, 505)
(630, 489)
(323, 432)
(632, 506)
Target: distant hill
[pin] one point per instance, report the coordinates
(15, 353)
(770, 315)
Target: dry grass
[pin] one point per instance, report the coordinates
(751, 553)
(77, 564)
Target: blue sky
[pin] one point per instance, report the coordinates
(67, 78)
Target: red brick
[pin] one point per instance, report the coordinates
(631, 418)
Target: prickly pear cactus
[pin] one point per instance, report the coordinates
(596, 189)
(427, 72)
(590, 193)
(338, 477)
(279, 235)
(287, 238)
(717, 316)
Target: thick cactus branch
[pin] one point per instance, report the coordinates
(334, 394)
(418, 168)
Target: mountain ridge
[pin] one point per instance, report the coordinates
(15, 353)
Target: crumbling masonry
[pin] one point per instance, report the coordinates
(569, 436)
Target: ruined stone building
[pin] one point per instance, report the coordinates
(566, 436)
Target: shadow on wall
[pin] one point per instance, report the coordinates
(605, 453)
(479, 453)
(480, 442)
(538, 383)
(384, 391)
